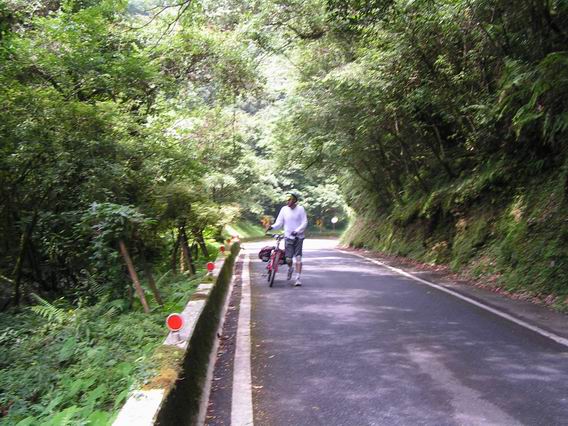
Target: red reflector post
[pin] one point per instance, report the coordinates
(174, 322)
(210, 266)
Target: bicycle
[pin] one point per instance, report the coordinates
(277, 258)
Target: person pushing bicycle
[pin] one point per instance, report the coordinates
(294, 220)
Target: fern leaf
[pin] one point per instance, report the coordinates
(48, 311)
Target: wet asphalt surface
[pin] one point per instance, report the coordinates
(358, 344)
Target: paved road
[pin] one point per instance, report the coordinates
(360, 345)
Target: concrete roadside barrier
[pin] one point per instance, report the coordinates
(175, 399)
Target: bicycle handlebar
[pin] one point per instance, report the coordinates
(274, 235)
(279, 236)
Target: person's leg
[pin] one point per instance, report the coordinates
(298, 255)
(289, 253)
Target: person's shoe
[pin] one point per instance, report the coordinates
(298, 283)
(290, 272)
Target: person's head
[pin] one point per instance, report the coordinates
(292, 200)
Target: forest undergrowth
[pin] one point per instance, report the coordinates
(73, 364)
(505, 231)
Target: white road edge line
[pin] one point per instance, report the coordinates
(241, 407)
(547, 334)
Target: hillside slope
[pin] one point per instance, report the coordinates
(497, 223)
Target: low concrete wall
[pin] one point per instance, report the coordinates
(178, 404)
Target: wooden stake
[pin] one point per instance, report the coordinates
(182, 261)
(133, 275)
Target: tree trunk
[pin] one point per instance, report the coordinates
(406, 154)
(36, 269)
(194, 250)
(550, 22)
(7, 302)
(410, 164)
(174, 254)
(186, 251)
(201, 241)
(151, 281)
(133, 275)
(130, 295)
(391, 175)
(439, 152)
(18, 268)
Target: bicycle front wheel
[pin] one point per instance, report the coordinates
(274, 269)
(271, 278)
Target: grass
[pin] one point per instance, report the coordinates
(244, 230)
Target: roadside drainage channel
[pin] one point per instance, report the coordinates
(178, 401)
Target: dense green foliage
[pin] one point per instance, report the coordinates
(92, 113)
(131, 133)
(134, 131)
(446, 121)
(113, 129)
(137, 115)
(67, 365)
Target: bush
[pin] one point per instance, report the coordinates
(60, 365)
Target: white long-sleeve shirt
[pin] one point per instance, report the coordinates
(292, 220)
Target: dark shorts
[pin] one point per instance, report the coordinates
(293, 247)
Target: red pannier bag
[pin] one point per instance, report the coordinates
(282, 257)
(265, 252)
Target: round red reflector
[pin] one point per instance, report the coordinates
(174, 322)
(210, 266)
(222, 249)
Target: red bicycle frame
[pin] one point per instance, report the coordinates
(275, 258)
